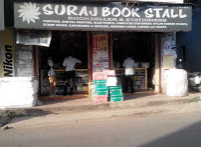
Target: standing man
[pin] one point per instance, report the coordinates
(129, 74)
(52, 78)
(70, 63)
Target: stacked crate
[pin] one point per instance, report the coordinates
(105, 87)
(116, 93)
(100, 93)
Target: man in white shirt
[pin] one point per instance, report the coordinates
(129, 74)
(70, 63)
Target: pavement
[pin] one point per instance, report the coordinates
(85, 108)
(138, 100)
(81, 102)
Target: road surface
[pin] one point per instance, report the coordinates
(171, 130)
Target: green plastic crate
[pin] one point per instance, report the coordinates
(115, 87)
(117, 97)
(100, 83)
(115, 91)
(101, 90)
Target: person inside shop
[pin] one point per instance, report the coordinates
(52, 78)
(129, 74)
(70, 63)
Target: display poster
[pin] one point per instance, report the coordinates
(168, 62)
(169, 44)
(112, 16)
(100, 54)
(34, 37)
(169, 41)
(2, 27)
(7, 52)
(23, 72)
(24, 62)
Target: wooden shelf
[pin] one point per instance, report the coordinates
(60, 84)
(141, 70)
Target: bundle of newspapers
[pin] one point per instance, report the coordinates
(16, 92)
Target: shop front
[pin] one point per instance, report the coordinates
(101, 35)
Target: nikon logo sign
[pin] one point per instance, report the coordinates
(7, 53)
(8, 61)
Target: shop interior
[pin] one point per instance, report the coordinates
(63, 44)
(140, 46)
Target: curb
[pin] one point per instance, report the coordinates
(113, 105)
(20, 112)
(7, 115)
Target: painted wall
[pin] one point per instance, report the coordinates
(191, 42)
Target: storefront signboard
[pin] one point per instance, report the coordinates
(1, 14)
(7, 52)
(103, 17)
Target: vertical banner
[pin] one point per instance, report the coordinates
(7, 52)
(1, 14)
(100, 54)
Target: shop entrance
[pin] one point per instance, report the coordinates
(141, 47)
(63, 44)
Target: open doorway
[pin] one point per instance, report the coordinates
(62, 44)
(141, 47)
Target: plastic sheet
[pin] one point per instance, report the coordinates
(177, 82)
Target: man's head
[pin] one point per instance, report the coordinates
(127, 55)
(49, 58)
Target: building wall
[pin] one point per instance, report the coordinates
(191, 42)
(0, 61)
